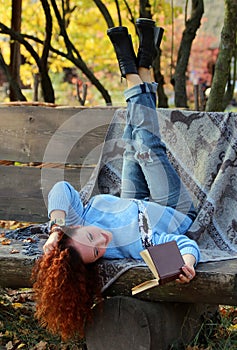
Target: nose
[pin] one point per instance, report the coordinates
(100, 240)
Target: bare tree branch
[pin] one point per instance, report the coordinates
(74, 56)
(47, 89)
(105, 13)
(15, 54)
(132, 19)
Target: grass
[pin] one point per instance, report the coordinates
(19, 329)
(219, 333)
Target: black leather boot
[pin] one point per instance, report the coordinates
(123, 47)
(150, 38)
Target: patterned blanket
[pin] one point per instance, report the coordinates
(203, 148)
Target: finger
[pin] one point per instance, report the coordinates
(188, 275)
(184, 278)
(47, 248)
(188, 271)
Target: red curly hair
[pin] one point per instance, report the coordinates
(65, 289)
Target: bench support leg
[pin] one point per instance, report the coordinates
(129, 323)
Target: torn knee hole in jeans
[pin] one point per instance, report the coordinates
(143, 156)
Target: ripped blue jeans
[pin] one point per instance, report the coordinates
(147, 172)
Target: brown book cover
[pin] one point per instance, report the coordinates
(164, 261)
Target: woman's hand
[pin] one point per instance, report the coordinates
(188, 269)
(51, 242)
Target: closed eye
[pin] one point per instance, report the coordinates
(96, 252)
(90, 236)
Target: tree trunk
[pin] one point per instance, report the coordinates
(12, 83)
(145, 9)
(227, 51)
(15, 55)
(191, 27)
(145, 12)
(159, 78)
(46, 84)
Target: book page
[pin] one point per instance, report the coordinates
(147, 258)
(144, 286)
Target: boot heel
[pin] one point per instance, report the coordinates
(159, 31)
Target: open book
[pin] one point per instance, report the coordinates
(164, 261)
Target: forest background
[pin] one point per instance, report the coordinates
(66, 57)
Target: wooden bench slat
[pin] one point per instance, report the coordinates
(23, 190)
(25, 132)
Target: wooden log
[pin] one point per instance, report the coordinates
(215, 282)
(129, 323)
(15, 269)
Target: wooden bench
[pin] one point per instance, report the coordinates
(30, 163)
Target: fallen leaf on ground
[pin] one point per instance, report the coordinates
(42, 345)
(17, 305)
(14, 251)
(29, 240)
(6, 241)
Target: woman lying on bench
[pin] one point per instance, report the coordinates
(154, 207)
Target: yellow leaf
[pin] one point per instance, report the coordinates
(233, 327)
(17, 305)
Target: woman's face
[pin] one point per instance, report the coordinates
(91, 242)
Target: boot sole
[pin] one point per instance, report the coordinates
(145, 21)
(117, 30)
